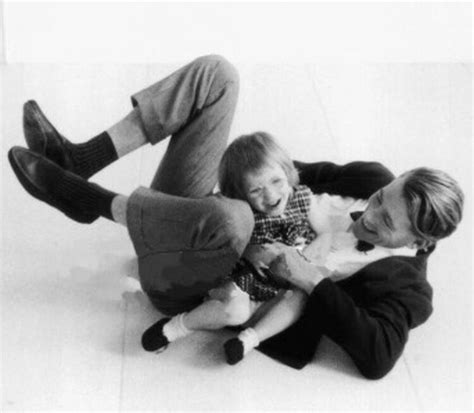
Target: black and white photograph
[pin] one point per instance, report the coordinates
(236, 206)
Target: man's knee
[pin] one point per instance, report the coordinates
(235, 222)
(225, 72)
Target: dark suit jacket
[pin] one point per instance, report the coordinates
(369, 314)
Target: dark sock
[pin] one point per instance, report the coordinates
(86, 196)
(92, 156)
(234, 351)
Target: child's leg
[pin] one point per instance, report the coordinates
(227, 306)
(282, 312)
(215, 313)
(282, 315)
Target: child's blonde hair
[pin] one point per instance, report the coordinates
(248, 154)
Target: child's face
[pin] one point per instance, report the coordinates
(268, 189)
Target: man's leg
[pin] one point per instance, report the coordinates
(195, 105)
(128, 134)
(87, 158)
(168, 107)
(184, 245)
(71, 194)
(118, 209)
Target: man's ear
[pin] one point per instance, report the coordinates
(420, 244)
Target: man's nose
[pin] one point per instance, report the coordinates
(371, 216)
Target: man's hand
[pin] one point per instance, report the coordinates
(293, 267)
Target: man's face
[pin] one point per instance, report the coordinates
(385, 222)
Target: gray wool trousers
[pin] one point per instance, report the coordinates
(186, 239)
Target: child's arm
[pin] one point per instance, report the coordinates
(282, 312)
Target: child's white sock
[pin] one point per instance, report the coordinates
(175, 328)
(249, 339)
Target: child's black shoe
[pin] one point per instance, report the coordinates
(234, 351)
(153, 338)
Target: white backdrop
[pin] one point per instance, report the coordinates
(387, 82)
(119, 32)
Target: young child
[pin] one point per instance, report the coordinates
(256, 169)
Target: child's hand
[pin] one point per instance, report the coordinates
(260, 255)
(293, 267)
(318, 250)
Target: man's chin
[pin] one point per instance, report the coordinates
(359, 232)
(362, 235)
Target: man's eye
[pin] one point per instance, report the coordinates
(277, 181)
(255, 191)
(379, 198)
(375, 199)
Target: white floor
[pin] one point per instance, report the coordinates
(70, 330)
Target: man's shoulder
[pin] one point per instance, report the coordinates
(401, 274)
(396, 268)
(396, 279)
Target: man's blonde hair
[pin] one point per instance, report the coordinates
(248, 154)
(434, 203)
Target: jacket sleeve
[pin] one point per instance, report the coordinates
(356, 179)
(373, 329)
(373, 334)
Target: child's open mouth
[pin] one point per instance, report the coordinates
(276, 203)
(273, 206)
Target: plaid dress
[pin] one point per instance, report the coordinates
(291, 228)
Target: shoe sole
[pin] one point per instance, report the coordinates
(33, 191)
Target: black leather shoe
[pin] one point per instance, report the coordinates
(234, 351)
(43, 138)
(153, 338)
(39, 176)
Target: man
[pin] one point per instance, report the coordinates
(370, 314)
(186, 240)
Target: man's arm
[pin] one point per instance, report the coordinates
(356, 179)
(374, 335)
(373, 332)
